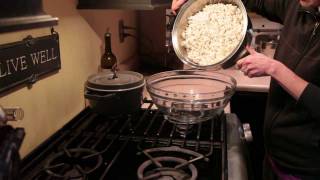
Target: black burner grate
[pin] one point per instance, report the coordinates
(113, 146)
(73, 163)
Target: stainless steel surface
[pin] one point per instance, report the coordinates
(266, 41)
(268, 48)
(190, 96)
(237, 155)
(181, 22)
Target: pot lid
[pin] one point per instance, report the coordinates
(105, 81)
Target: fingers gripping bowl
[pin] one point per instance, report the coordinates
(190, 96)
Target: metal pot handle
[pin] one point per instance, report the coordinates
(249, 37)
(244, 52)
(98, 97)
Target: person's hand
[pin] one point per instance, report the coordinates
(176, 4)
(257, 64)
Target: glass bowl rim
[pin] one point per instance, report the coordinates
(150, 88)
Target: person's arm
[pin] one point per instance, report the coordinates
(307, 94)
(310, 98)
(288, 80)
(274, 10)
(257, 64)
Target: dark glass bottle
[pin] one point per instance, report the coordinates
(108, 59)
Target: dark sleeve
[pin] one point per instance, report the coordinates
(310, 99)
(274, 10)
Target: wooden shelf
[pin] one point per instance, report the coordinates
(123, 4)
(27, 22)
(20, 14)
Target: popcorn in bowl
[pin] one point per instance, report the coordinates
(213, 33)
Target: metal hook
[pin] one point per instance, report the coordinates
(33, 79)
(53, 31)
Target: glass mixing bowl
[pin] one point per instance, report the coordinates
(190, 96)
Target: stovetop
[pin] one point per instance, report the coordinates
(143, 145)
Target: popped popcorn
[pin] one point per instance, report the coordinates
(213, 33)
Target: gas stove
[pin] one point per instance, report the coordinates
(143, 145)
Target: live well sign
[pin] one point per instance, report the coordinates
(25, 61)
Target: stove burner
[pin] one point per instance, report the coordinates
(169, 163)
(167, 173)
(73, 163)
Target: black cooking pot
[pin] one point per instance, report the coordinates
(111, 96)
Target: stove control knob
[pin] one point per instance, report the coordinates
(247, 132)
